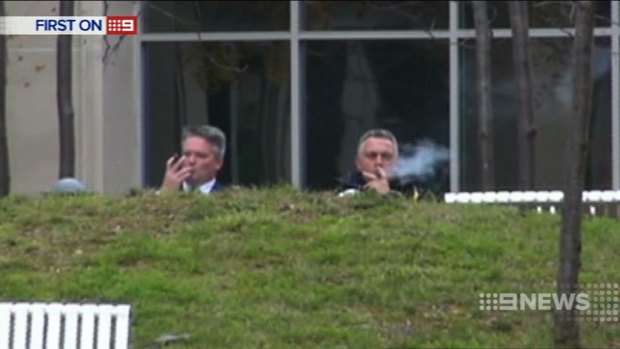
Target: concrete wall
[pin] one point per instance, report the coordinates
(107, 123)
(122, 125)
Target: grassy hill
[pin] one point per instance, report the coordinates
(277, 268)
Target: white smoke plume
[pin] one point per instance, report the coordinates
(419, 162)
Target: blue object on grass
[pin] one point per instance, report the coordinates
(68, 186)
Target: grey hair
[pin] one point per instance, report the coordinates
(210, 134)
(377, 133)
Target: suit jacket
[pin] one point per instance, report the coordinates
(217, 187)
(355, 180)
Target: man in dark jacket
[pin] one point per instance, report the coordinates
(196, 170)
(377, 155)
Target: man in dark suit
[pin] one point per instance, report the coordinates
(376, 157)
(377, 153)
(196, 170)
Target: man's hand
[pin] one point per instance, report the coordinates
(377, 181)
(176, 173)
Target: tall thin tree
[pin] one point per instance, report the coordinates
(519, 22)
(566, 326)
(485, 105)
(64, 98)
(5, 176)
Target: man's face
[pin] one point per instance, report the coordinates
(376, 153)
(200, 155)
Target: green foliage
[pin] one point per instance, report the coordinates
(279, 268)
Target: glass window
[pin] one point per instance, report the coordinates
(552, 79)
(542, 14)
(353, 15)
(216, 16)
(353, 86)
(242, 88)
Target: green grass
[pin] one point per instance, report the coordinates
(277, 268)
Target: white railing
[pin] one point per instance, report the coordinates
(60, 325)
(542, 200)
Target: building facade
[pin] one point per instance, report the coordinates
(295, 83)
(107, 122)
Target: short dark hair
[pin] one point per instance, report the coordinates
(211, 134)
(377, 133)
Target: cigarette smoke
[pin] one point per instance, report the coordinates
(420, 162)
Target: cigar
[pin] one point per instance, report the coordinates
(393, 179)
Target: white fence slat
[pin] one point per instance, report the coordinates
(21, 326)
(121, 339)
(71, 313)
(87, 335)
(5, 325)
(54, 317)
(37, 328)
(104, 326)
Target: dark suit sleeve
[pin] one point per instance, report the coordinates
(217, 187)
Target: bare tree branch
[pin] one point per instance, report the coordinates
(110, 49)
(64, 97)
(222, 66)
(397, 9)
(485, 103)
(523, 77)
(190, 24)
(566, 325)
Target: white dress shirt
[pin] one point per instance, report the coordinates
(205, 188)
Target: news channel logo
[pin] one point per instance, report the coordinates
(594, 302)
(69, 25)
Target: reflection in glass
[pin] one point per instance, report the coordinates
(542, 14)
(353, 86)
(216, 16)
(352, 15)
(553, 100)
(243, 88)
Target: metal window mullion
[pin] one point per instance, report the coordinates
(370, 35)
(138, 70)
(212, 36)
(297, 140)
(306, 35)
(534, 32)
(234, 132)
(615, 93)
(355, 34)
(454, 99)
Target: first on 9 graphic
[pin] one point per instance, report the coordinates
(62, 25)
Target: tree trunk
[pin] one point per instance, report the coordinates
(64, 98)
(566, 325)
(523, 70)
(485, 106)
(5, 175)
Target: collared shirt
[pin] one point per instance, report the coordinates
(205, 188)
